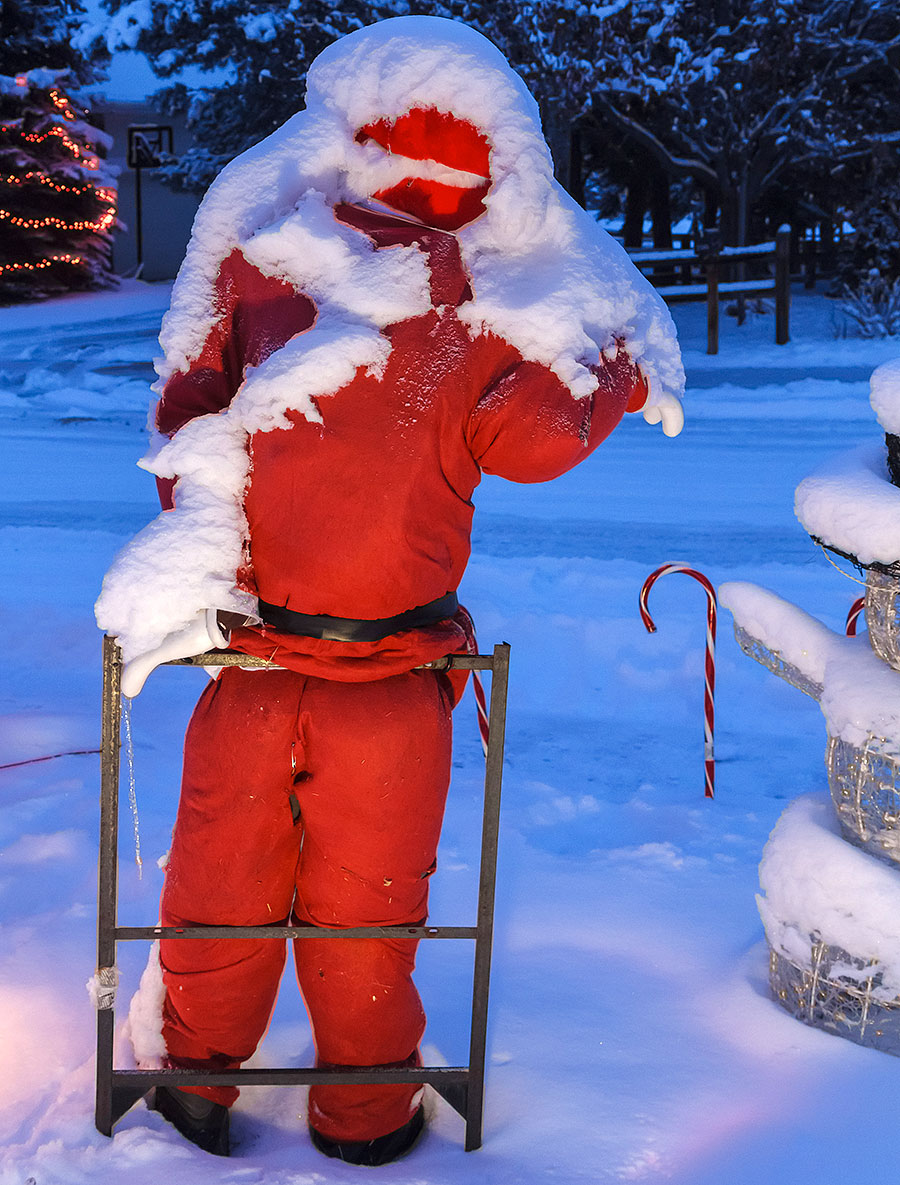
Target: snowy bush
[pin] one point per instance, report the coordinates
(873, 308)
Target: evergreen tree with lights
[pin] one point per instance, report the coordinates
(57, 196)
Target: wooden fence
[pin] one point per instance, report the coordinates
(712, 266)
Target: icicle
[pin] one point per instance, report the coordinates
(132, 792)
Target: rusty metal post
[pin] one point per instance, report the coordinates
(107, 881)
(782, 285)
(490, 835)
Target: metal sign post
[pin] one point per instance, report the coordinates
(148, 145)
(461, 1086)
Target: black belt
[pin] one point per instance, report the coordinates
(349, 629)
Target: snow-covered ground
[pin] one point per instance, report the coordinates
(632, 1035)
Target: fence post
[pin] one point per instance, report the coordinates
(712, 305)
(782, 285)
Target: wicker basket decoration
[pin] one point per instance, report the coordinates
(773, 661)
(883, 615)
(827, 995)
(865, 790)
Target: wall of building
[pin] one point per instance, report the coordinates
(166, 217)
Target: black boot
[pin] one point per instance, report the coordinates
(381, 1150)
(200, 1120)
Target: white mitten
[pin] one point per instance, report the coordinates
(668, 410)
(203, 633)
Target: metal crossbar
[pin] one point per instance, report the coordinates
(461, 1086)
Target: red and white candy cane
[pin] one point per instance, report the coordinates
(478, 687)
(709, 716)
(853, 616)
(481, 709)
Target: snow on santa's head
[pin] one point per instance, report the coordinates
(444, 105)
(426, 115)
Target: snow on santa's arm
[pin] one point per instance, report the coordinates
(850, 503)
(245, 301)
(884, 395)
(814, 883)
(186, 560)
(861, 695)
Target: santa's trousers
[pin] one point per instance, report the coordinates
(367, 766)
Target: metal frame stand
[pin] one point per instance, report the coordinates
(461, 1086)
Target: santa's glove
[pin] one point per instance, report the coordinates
(664, 408)
(204, 633)
(668, 411)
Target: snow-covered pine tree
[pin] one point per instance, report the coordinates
(45, 33)
(57, 197)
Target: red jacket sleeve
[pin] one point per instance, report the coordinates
(256, 315)
(528, 427)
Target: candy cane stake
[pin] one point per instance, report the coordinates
(853, 616)
(709, 690)
(481, 708)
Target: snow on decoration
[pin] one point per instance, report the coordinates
(850, 505)
(884, 387)
(831, 910)
(545, 277)
(859, 695)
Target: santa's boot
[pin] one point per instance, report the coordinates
(200, 1120)
(381, 1150)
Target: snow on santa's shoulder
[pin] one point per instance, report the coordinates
(850, 503)
(814, 883)
(884, 395)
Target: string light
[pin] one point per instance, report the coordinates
(36, 267)
(39, 137)
(62, 103)
(106, 219)
(87, 158)
(105, 195)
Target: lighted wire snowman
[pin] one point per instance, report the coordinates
(831, 908)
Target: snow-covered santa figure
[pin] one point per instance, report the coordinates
(387, 297)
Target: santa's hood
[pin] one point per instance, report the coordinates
(545, 276)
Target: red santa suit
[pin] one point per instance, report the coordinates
(315, 793)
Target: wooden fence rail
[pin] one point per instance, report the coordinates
(776, 254)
